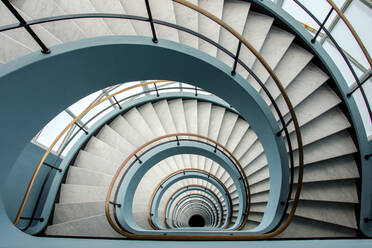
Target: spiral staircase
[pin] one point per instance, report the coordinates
(330, 198)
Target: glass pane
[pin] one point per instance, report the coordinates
(53, 129)
(83, 103)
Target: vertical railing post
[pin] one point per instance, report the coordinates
(233, 72)
(157, 92)
(322, 25)
(116, 101)
(154, 38)
(23, 22)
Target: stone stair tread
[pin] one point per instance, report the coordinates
(93, 226)
(64, 212)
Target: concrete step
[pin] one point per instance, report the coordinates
(164, 10)
(207, 27)
(82, 176)
(295, 58)
(64, 212)
(342, 214)
(151, 118)
(275, 46)
(188, 18)
(256, 28)
(125, 129)
(93, 162)
(90, 27)
(203, 119)
(100, 148)
(63, 31)
(235, 15)
(21, 36)
(227, 126)
(307, 228)
(93, 226)
(331, 122)
(135, 119)
(336, 145)
(116, 26)
(115, 140)
(237, 134)
(305, 83)
(74, 193)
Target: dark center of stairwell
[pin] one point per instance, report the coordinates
(196, 221)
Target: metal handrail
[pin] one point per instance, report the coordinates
(241, 39)
(69, 140)
(83, 113)
(339, 49)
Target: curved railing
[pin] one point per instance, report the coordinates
(344, 56)
(136, 155)
(27, 25)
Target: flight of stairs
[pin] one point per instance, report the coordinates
(329, 193)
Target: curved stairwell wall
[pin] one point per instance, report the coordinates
(325, 129)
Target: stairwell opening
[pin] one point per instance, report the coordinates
(196, 221)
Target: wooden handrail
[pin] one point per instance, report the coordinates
(290, 108)
(33, 178)
(291, 111)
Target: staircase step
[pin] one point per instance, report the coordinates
(64, 212)
(339, 213)
(93, 162)
(295, 58)
(203, 119)
(91, 27)
(136, 120)
(117, 26)
(100, 148)
(256, 29)
(137, 8)
(81, 176)
(307, 228)
(333, 146)
(237, 134)
(329, 123)
(208, 27)
(235, 15)
(64, 31)
(331, 191)
(151, 118)
(73, 193)
(276, 44)
(227, 126)
(122, 127)
(188, 18)
(94, 226)
(115, 140)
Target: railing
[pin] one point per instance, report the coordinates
(27, 25)
(135, 156)
(359, 83)
(53, 165)
(198, 188)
